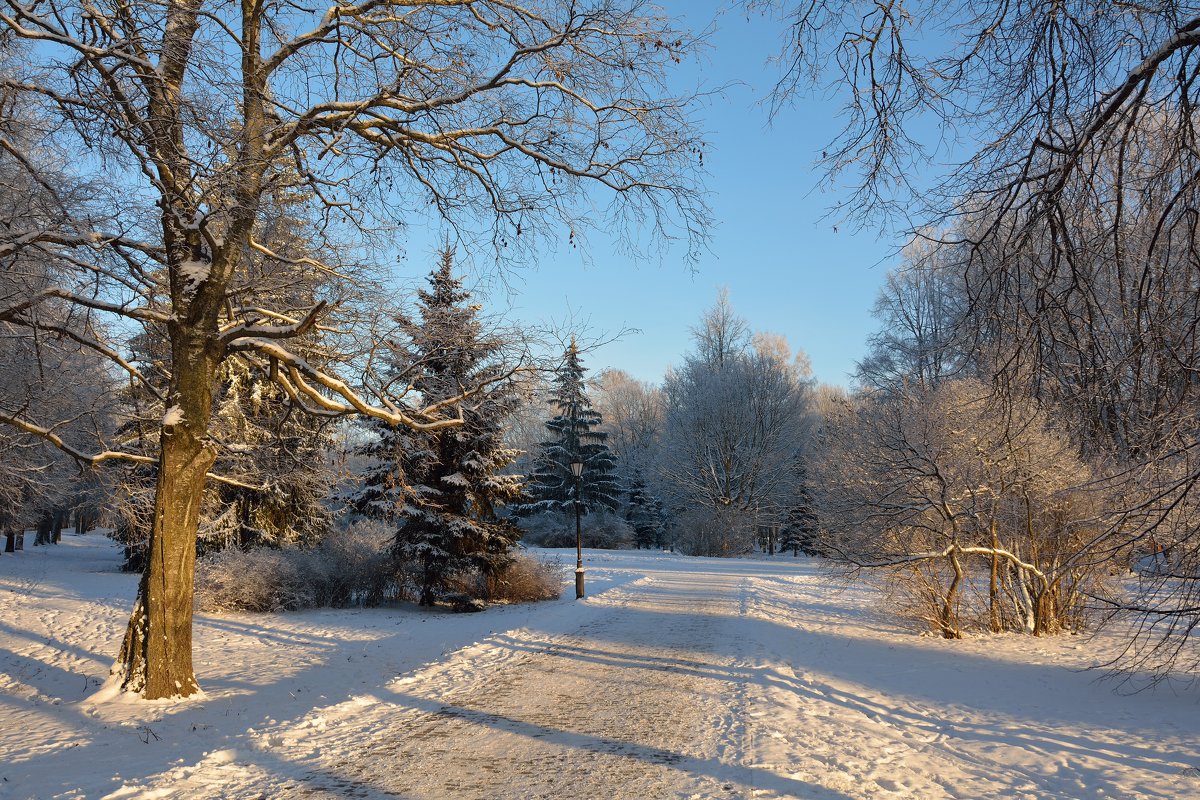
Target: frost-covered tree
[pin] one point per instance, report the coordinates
(287, 453)
(443, 488)
(485, 113)
(980, 512)
(735, 418)
(277, 457)
(1073, 213)
(576, 437)
(632, 413)
(920, 340)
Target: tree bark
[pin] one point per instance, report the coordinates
(156, 655)
(44, 526)
(949, 617)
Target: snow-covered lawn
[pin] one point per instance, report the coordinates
(677, 677)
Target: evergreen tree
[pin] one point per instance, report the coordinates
(799, 531)
(644, 514)
(444, 487)
(576, 439)
(283, 452)
(272, 444)
(378, 489)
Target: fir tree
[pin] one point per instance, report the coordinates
(444, 487)
(576, 439)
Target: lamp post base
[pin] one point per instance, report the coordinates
(578, 584)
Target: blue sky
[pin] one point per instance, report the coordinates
(787, 268)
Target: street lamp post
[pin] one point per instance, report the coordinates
(577, 471)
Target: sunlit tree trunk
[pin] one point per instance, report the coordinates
(156, 656)
(949, 616)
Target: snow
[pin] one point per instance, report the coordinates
(456, 479)
(173, 416)
(194, 273)
(676, 677)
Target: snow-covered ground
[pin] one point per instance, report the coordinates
(677, 677)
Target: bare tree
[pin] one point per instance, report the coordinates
(494, 116)
(1043, 87)
(721, 334)
(964, 504)
(920, 310)
(1076, 214)
(632, 412)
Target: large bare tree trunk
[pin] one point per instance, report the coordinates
(156, 656)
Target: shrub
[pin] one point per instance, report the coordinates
(350, 567)
(262, 579)
(526, 579)
(353, 566)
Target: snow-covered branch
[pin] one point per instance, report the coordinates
(95, 459)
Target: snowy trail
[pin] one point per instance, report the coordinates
(676, 678)
(645, 700)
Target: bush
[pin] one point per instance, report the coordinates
(350, 567)
(353, 566)
(262, 579)
(526, 579)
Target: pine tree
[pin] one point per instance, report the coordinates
(576, 439)
(444, 487)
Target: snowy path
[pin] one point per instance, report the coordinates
(644, 701)
(676, 678)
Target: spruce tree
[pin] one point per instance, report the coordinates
(644, 514)
(263, 439)
(378, 488)
(799, 531)
(576, 438)
(282, 451)
(444, 487)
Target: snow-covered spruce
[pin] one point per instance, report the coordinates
(442, 488)
(576, 438)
